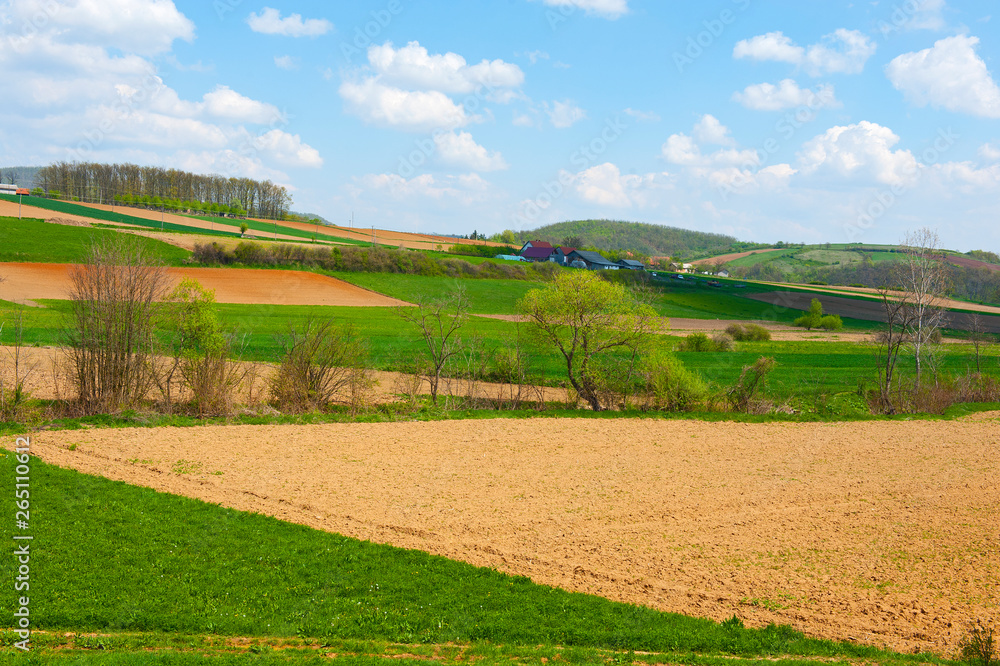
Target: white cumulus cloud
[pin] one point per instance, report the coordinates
(841, 52)
(710, 130)
(287, 149)
(383, 105)
(863, 151)
(564, 114)
(144, 27)
(223, 102)
(270, 22)
(773, 46)
(786, 95)
(413, 68)
(949, 75)
(460, 149)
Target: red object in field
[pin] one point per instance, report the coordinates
(23, 191)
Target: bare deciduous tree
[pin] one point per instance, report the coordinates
(888, 344)
(923, 277)
(114, 298)
(439, 322)
(981, 339)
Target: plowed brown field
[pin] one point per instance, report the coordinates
(886, 533)
(24, 282)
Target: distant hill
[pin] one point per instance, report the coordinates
(311, 216)
(649, 239)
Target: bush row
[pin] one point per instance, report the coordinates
(365, 260)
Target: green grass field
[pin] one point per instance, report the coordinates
(806, 370)
(21, 241)
(486, 296)
(148, 571)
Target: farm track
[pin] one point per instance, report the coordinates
(879, 532)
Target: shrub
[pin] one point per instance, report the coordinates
(322, 362)
(201, 351)
(742, 396)
(723, 342)
(114, 301)
(668, 386)
(813, 318)
(748, 333)
(831, 323)
(700, 342)
(978, 647)
(212, 254)
(253, 254)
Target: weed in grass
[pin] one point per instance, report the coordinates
(978, 647)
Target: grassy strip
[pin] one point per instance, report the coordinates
(427, 412)
(487, 296)
(202, 649)
(70, 208)
(176, 565)
(19, 242)
(808, 371)
(270, 227)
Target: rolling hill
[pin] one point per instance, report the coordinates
(648, 239)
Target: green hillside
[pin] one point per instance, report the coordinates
(649, 239)
(31, 240)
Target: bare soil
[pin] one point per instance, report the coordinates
(409, 240)
(711, 261)
(871, 310)
(26, 281)
(886, 533)
(872, 292)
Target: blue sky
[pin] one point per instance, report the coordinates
(846, 122)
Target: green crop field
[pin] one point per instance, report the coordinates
(266, 228)
(97, 214)
(142, 576)
(21, 241)
(806, 369)
(486, 296)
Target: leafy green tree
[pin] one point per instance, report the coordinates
(200, 350)
(587, 318)
(813, 318)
